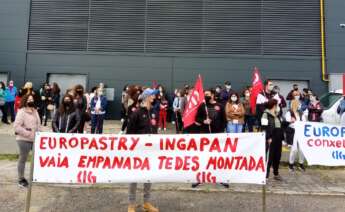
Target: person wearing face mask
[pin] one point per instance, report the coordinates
(210, 118)
(26, 124)
(314, 110)
(263, 97)
(341, 111)
(66, 119)
(281, 99)
(46, 102)
(290, 97)
(80, 103)
(141, 121)
(225, 93)
(215, 111)
(178, 107)
(291, 116)
(234, 112)
(249, 117)
(163, 108)
(3, 103)
(305, 98)
(10, 95)
(271, 125)
(98, 110)
(218, 91)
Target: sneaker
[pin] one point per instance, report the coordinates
(278, 178)
(23, 183)
(148, 207)
(194, 185)
(165, 129)
(226, 185)
(301, 167)
(173, 122)
(291, 168)
(159, 129)
(122, 120)
(131, 208)
(121, 132)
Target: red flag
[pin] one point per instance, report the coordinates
(193, 102)
(257, 87)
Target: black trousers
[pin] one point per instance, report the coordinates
(4, 113)
(178, 122)
(274, 152)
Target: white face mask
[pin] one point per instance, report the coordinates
(277, 109)
(247, 94)
(270, 87)
(218, 90)
(234, 98)
(228, 87)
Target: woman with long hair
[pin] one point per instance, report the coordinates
(66, 119)
(80, 103)
(26, 124)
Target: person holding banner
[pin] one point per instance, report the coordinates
(271, 124)
(291, 116)
(66, 119)
(26, 124)
(341, 111)
(141, 121)
(314, 109)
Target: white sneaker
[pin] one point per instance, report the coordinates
(165, 129)
(159, 129)
(172, 122)
(122, 120)
(121, 132)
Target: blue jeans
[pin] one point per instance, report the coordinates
(234, 128)
(97, 124)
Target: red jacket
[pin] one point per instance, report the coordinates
(17, 103)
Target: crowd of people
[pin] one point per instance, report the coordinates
(146, 110)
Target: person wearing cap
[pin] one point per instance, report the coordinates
(141, 121)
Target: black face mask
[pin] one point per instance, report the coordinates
(67, 104)
(207, 99)
(80, 92)
(31, 104)
(296, 89)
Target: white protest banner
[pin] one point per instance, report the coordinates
(321, 144)
(204, 158)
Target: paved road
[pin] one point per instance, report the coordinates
(316, 190)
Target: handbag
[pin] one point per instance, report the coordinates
(2, 102)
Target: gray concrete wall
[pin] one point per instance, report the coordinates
(14, 19)
(116, 70)
(335, 35)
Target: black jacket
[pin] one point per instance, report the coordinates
(216, 114)
(272, 131)
(142, 121)
(66, 123)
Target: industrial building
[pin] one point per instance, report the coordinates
(171, 41)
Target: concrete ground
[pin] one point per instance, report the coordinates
(315, 190)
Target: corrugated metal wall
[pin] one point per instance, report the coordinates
(254, 27)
